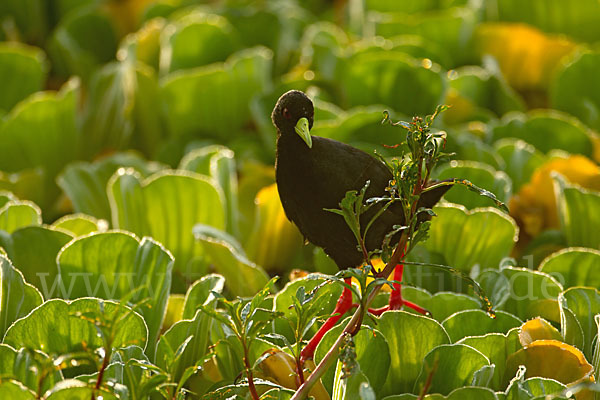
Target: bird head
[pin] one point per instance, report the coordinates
(293, 115)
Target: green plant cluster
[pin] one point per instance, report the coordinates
(140, 224)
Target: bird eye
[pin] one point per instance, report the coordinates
(286, 113)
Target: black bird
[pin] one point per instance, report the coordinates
(314, 174)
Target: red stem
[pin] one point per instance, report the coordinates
(250, 376)
(101, 374)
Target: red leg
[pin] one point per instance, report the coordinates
(396, 295)
(396, 300)
(343, 305)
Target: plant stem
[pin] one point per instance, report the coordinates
(427, 385)
(249, 374)
(300, 370)
(101, 373)
(350, 327)
(331, 355)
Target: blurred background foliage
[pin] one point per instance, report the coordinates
(151, 116)
(136, 142)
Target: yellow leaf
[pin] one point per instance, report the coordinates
(174, 311)
(146, 42)
(551, 359)
(127, 14)
(537, 329)
(596, 143)
(527, 57)
(534, 207)
(280, 367)
(274, 241)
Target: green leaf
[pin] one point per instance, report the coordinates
(576, 22)
(412, 337)
(215, 99)
(33, 250)
(452, 365)
(15, 390)
(360, 128)
(41, 132)
(73, 389)
(166, 206)
(80, 224)
(201, 292)
(546, 130)
(477, 323)
(6, 196)
(218, 162)
(118, 266)
(367, 342)
(23, 70)
(574, 266)
(55, 327)
(464, 393)
(322, 49)
(442, 304)
(496, 347)
(596, 358)
(467, 238)
(30, 18)
(482, 92)
(195, 40)
(481, 175)
(386, 77)
(533, 294)
(348, 209)
(576, 209)
(24, 366)
(278, 394)
(573, 89)
(350, 387)
(130, 367)
(571, 329)
(25, 184)
(521, 160)
(444, 28)
(585, 304)
(18, 297)
(143, 45)
(496, 285)
(198, 327)
(17, 214)
(82, 41)
(327, 296)
(85, 183)
(469, 147)
(123, 109)
(243, 277)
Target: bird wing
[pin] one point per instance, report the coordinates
(342, 167)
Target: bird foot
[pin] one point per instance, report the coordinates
(378, 311)
(416, 307)
(397, 305)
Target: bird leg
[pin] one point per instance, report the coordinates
(396, 300)
(343, 305)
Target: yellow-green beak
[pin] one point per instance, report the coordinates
(303, 130)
